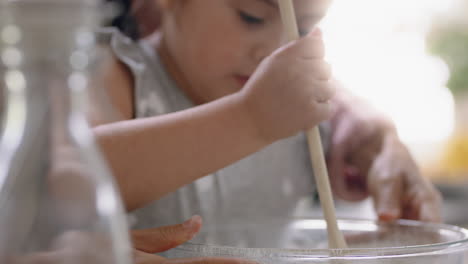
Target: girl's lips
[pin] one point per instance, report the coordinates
(242, 79)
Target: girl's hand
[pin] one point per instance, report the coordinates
(147, 242)
(290, 90)
(398, 188)
(81, 247)
(367, 158)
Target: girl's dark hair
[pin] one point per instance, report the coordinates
(124, 21)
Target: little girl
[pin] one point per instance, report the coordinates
(222, 60)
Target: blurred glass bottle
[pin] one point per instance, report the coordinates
(57, 198)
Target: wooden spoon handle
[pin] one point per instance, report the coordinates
(335, 237)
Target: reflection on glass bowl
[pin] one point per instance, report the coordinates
(305, 241)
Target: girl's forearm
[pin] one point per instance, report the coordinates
(152, 157)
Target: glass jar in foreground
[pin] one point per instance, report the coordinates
(305, 241)
(58, 201)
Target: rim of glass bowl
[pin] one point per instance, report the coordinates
(449, 247)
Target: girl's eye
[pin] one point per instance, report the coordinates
(303, 32)
(250, 20)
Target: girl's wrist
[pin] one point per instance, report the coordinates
(249, 124)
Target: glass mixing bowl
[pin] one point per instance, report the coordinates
(305, 241)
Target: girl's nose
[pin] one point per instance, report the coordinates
(267, 43)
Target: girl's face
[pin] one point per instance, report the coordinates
(212, 47)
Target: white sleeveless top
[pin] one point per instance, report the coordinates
(269, 183)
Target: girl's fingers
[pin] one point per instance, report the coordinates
(164, 238)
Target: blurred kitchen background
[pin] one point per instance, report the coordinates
(410, 59)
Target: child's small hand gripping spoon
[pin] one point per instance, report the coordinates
(335, 237)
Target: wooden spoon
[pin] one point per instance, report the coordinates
(335, 237)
